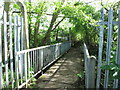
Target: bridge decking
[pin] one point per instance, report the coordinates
(63, 74)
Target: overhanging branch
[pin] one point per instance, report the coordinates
(58, 23)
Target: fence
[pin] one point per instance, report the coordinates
(89, 69)
(36, 59)
(110, 24)
(11, 41)
(18, 66)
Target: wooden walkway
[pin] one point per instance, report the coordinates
(63, 74)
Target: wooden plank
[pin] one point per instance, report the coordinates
(6, 48)
(11, 50)
(1, 81)
(109, 43)
(116, 82)
(100, 49)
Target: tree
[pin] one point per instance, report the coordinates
(52, 26)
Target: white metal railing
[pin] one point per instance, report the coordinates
(11, 41)
(30, 62)
(17, 66)
(110, 24)
(89, 64)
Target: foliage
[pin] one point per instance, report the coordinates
(83, 17)
(80, 75)
(35, 20)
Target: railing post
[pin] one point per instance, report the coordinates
(109, 43)
(6, 48)
(89, 69)
(16, 70)
(86, 59)
(26, 69)
(100, 49)
(11, 50)
(91, 72)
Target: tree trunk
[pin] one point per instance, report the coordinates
(29, 23)
(37, 24)
(46, 39)
(57, 35)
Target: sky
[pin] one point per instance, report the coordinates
(95, 3)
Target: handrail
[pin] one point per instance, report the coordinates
(32, 61)
(42, 47)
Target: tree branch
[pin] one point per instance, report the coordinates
(58, 23)
(104, 6)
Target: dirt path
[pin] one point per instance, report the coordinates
(63, 74)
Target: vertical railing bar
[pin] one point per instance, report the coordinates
(16, 71)
(21, 47)
(1, 81)
(21, 20)
(116, 81)
(26, 68)
(109, 43)
(18, 43)
(100, 49)
(31, 62)
(6, 48)
(15, 33)
(18, 26)
(39, 59)
(21, 74)
(11, 51)
(28, 64)
(16, 49)
(42, 58)
(34, 61)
